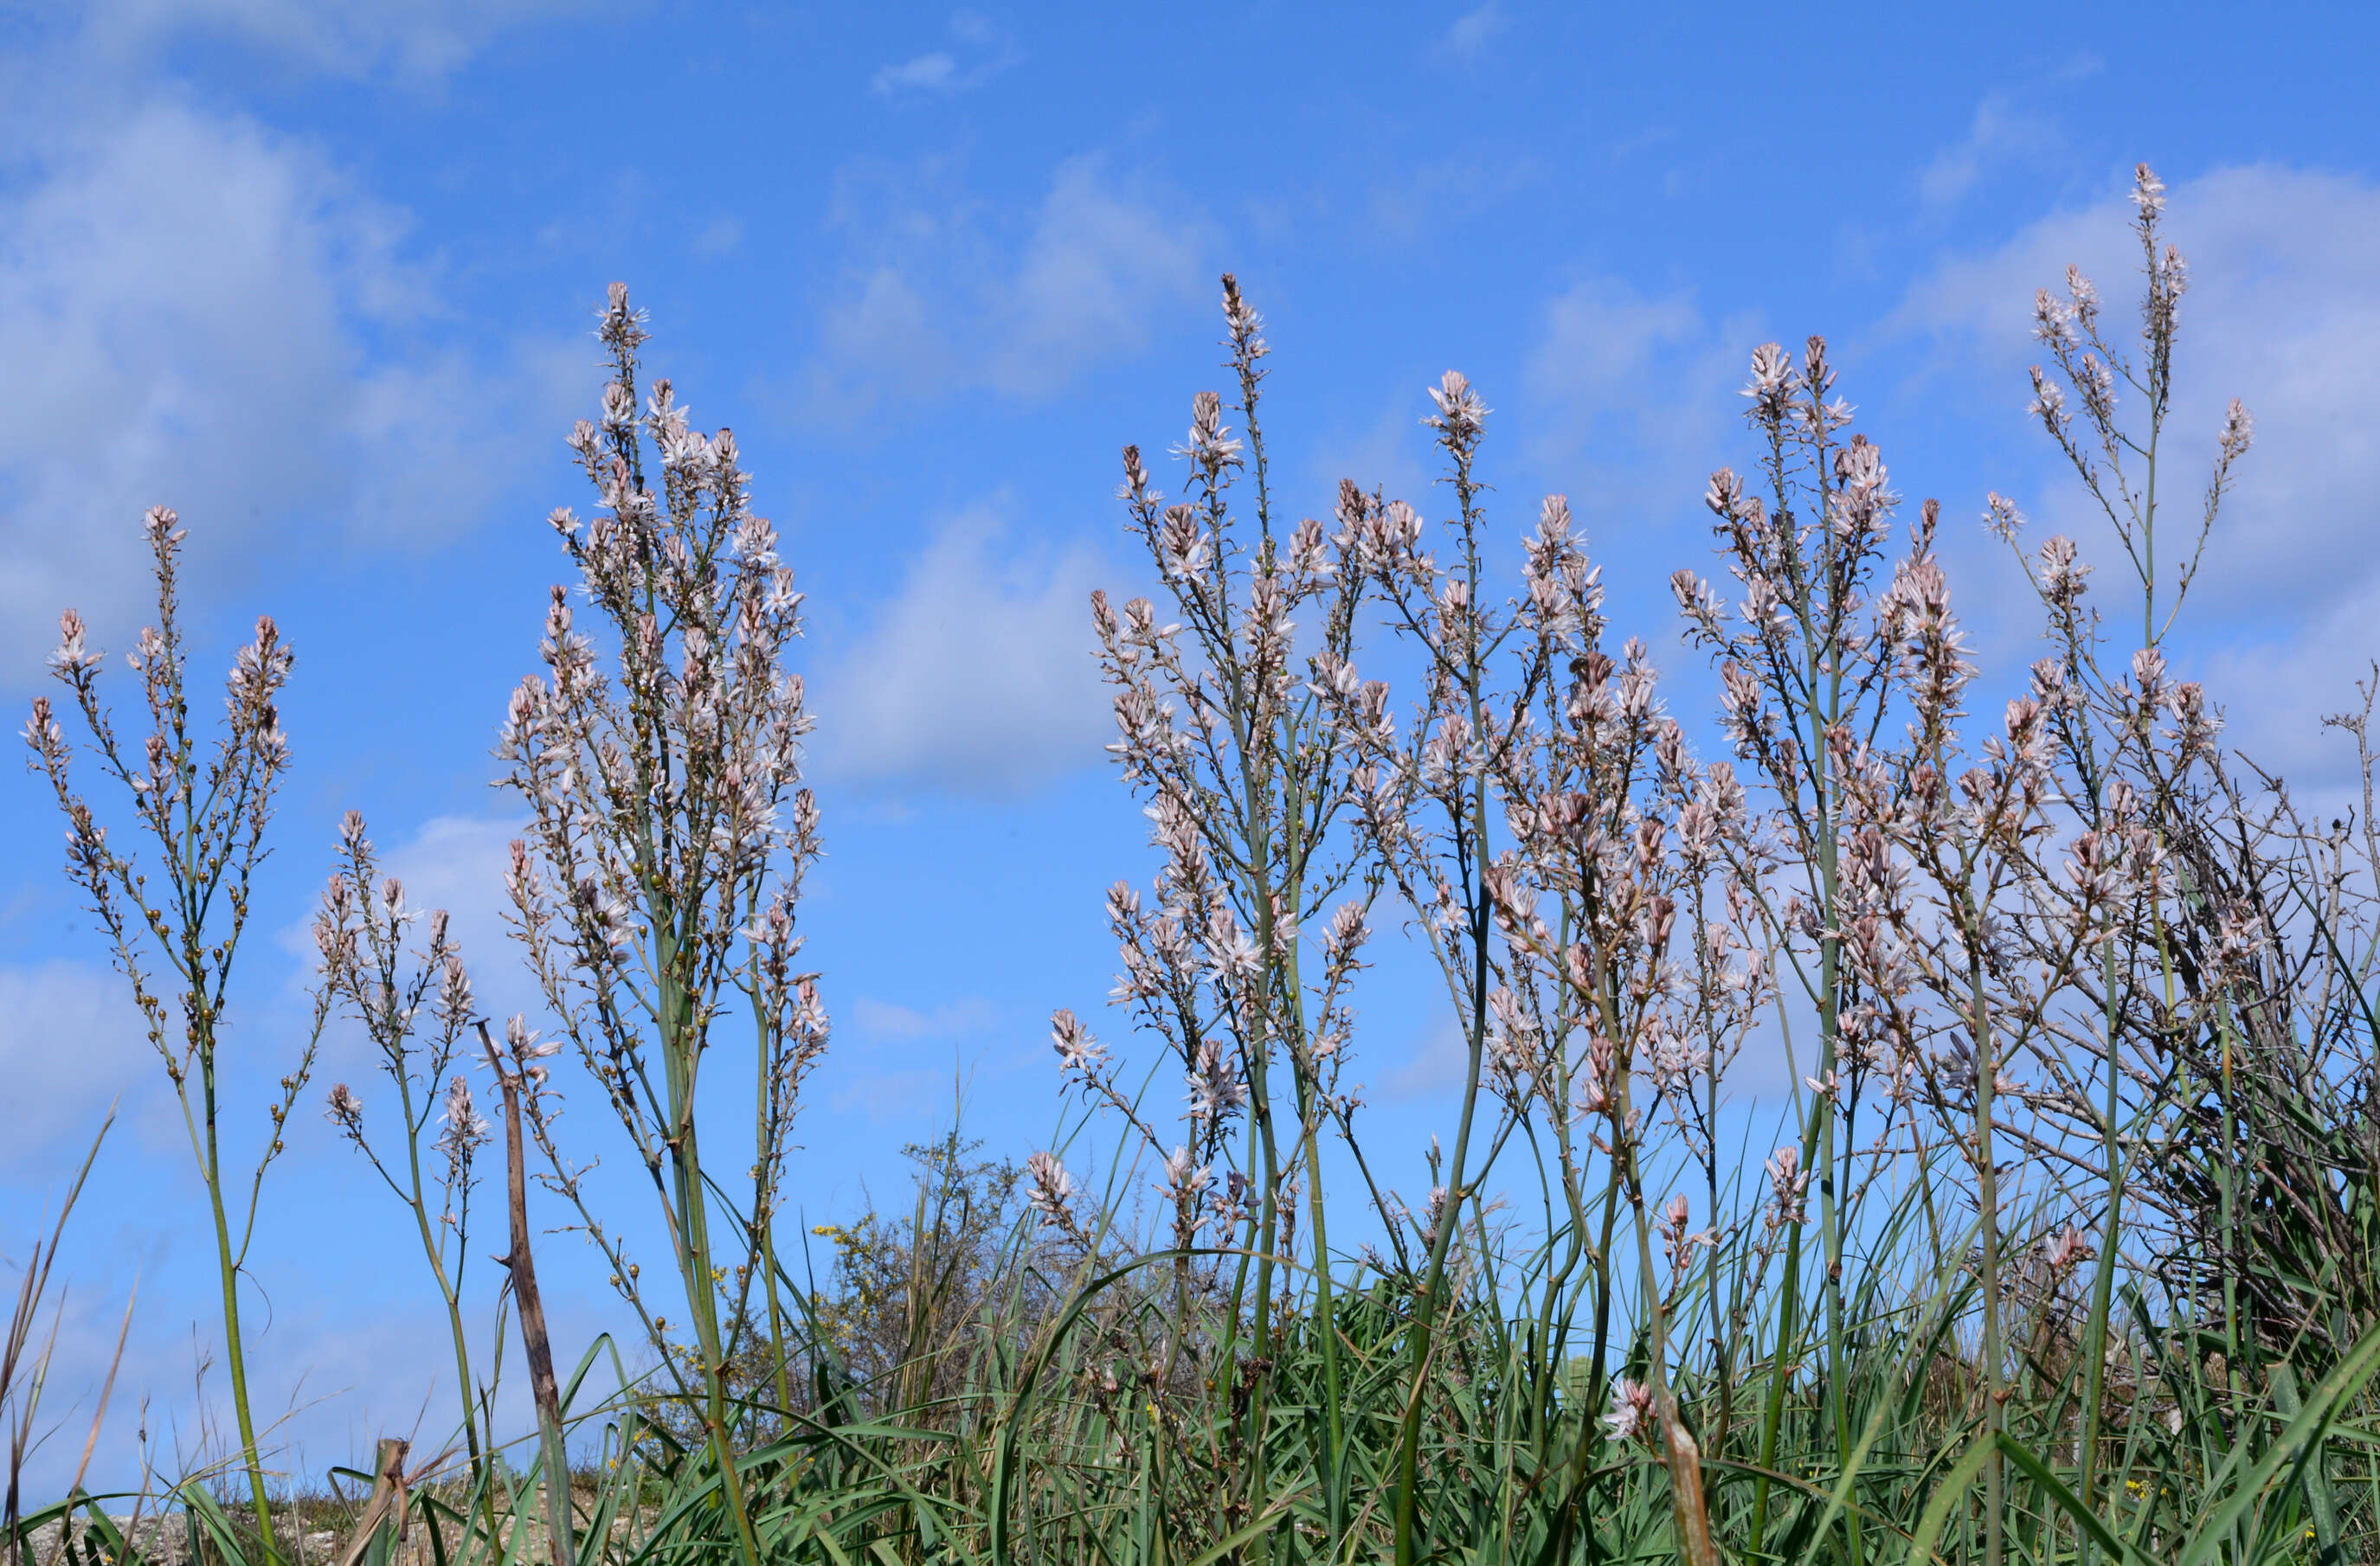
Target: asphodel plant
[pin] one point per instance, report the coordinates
(416, 1014)
(656, 884)
(174, 916)
(1240, 962)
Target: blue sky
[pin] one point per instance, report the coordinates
(322, 274)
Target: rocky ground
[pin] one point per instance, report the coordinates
(162, 1539)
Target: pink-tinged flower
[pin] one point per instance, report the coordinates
(1215, 1089)
(454, 987)
(1230, 951)
(2239, 432)
(1724, 494)
(1772, 368)
(1211, 443)
(1789, 1187)
(1185, 1179)
(1632, 1410)
(1460, 416)
(2148, 191)
(1347, 931)
(1078, 1051)
(1052, 1187)
(1595, 1083)
(1183, 550)
(465, 1127)
(2069, 1246)
(72, 658)
(42, 731)
(148, 652)
(524, 1042)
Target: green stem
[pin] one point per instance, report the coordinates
(235, 1358)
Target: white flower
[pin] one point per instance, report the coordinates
(466, 1126)
(1183, 1178)
(1789, 1185)
(1228, 950)
(71, 658)
(1078, 1051)
(1631, 1409)
(1051, 1187)
(2069, 1246)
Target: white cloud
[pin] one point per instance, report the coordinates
(893, 1023)
(1633, 387)
(2276, 691)
(1472, 30)
(1435, 1070)
(70, 1043)
(940, 70)
(935, 297)
(2283, 312)
(900, 1096)
(1443, 192)
(2000, 134)
(190, 299)
(1099, 261)
(978, 677)
(936, 72)
(720, 236)
(1387, 454)
(415, 40)
(875, 1070)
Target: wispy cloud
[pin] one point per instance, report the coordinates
(70, 1043)
(210, 315)
(1442, 193)
(940, 294)
(720, 236)
(982, 52)
(1630, 390)
(415, 40)
(897, 1024)
(1474, 31)
(2003, 134)
(937, 72)
(978, 677)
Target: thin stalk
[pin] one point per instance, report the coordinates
(234, 1355)
(1988, 1200)
(1471, 848)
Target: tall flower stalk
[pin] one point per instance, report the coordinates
(1427, 818)
(1223, 728)
(1802, 687)
(416, 1014)
(173, 917)
(657, 887)
(2129, 783)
